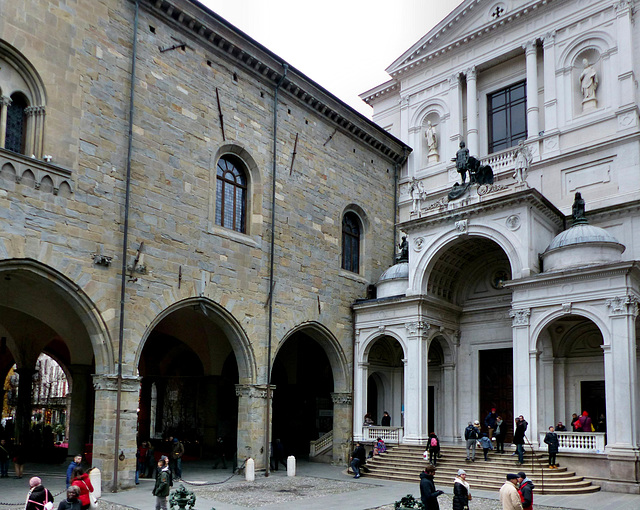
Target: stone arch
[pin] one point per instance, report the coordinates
(237, 337)
(432, 106)
(31, 272)
(332, 348)
(418, 280)
(584, 312)
(368, 342)
(446, 345)
(255, 180)
(36, 91)
(599, 40)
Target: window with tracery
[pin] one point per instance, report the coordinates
(231, 194)
(15, 130)
(351, 242)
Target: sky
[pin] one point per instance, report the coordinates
(345, 46)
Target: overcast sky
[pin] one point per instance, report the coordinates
(344, 45)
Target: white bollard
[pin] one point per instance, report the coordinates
(250, 470)
(96, 480)
(291, 465)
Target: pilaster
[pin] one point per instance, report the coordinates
(342, 415)
(521, 364)
(472, 113)
(416, 376)
(78, 408)
(455, 119)
(531, 55)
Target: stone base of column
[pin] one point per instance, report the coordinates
(415, 440)
(252, 414)
(342, 415)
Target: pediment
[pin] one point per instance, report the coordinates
(468, 21)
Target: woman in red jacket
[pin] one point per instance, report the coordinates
(81, 480)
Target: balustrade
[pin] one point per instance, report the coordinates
(585, 442)
(390, 435)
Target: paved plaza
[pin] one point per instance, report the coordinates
(317, 486)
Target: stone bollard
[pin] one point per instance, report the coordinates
(96, 480)
(250, 470)
(291, 465)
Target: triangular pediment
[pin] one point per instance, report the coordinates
(468, 21)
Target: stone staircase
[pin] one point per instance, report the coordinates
(404, 463)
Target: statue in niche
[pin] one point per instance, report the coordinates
(432, 143)
(577, 211)
(523, 159)
(588, 85)
(403, 247)
(416, 189)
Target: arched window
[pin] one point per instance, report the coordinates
(231, 194)
(351, 242)
(16, 123)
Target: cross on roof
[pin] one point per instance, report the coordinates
(499, 10)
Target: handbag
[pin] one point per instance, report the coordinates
(93, 501)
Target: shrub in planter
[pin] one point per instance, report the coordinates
(408, 502)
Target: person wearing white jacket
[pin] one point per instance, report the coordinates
(509, 497)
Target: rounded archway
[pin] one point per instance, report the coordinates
(385, 380)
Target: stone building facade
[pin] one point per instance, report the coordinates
(237, 224)
(507, 301)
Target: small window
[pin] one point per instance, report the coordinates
(231, 194)
(16, 124)
(507, 114)
(351, 242)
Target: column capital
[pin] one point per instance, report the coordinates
(454, 80)
(416, 327)
(342, 398)
(109, 382)
(549, 38)
(5, 101)
(530, 46)
(622, 7)
(622, 305)
(253, 390)
(471, 73)
(520, 316)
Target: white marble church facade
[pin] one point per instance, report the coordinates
(502, 302)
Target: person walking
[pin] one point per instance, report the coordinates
(461, 494)
(490, 422)
(77, 460)
(4, 459)
(471, 434)
(509, 497)
(500, 433)
(81, 480)
(72, 502)
(39, 497)
(177, 451)
(428, 493)
(18, 460)
(358, 459)
(433, 446)
(525, 490)
(486, 444)
(162, 486)
(551, 439)
(518, 438)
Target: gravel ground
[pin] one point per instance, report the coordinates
(446, 501)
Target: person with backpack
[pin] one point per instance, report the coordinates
(39, 497)
(433, 446)
(525, 490)
(471, 434)
(486, 444)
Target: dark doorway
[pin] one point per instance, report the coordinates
(372, 399)
(592, 399)
(431, 408)
(496, 386)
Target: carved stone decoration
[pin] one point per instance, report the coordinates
(513, 222)
(432, 143)
(418, 243)
(523, 157)
(381, 328)
(520, 316)
(110, 383)
(623, 305)
(566, 307)
(253, 390)
(413, 327)
(342, 398)
(462, 226)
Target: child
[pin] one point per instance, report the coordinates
(485, 442)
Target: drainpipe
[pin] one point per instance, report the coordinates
(125, 245)
(267, 437)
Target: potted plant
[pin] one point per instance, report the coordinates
(407, 503)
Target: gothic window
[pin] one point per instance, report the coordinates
(231, 194)
(507, 114)
(15, 134)
(351, 242)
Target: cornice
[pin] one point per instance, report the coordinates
(531, 196)
(379, 91)
(219, 36)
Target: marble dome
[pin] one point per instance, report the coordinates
(394, 281)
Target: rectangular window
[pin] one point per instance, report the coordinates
(507, 114)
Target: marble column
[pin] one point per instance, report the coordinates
(359, 398)
(531, 55)
(104, 428)
(30, 117)
(5, 102)
(450, 402)
(79, 408)
(522, 387)
(533, 415)
(454, 100)
(342, 416)
(472, 113)
(251, 422)
(416, 410)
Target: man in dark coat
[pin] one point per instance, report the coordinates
(551, 439)
(358, 458)
(518, 437)
(386, 420)
(428, 493)
(490, 422)
(525, 490)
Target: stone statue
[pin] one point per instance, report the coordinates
(462, 161)
(588, 84)
(417, 193)
(403, 256)
(432, 142)
(578, 209)
(523, 159)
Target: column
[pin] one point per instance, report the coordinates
(472, 113)
(533, 416)
(342, 412)
(550, 94)
(521, 364)
(29, 144)
(104, 429)
(5, 102)
(625, 52)
(23, 409)
(560, 392)
(416, 409)
(38, 146)
(251, 422)
(546, 384)
(79, 408)
(455, 118)
(620, 373)
(359, 398)
(450, 402)
(531, 53)
(413, 164)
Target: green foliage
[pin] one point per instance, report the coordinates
(408, 502)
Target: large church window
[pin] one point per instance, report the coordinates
(507, 114)
(351, 242)
(231, 194)
(16, 124)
